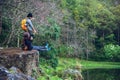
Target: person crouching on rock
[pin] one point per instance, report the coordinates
(27, 44)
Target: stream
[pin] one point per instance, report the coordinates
(101, 74)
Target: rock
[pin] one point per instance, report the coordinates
(76, 74)
(5, 74)
(26, 61)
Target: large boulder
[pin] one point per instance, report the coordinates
(73, 73)
(26, 61)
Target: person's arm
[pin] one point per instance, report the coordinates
(31, 25)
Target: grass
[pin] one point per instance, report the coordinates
(88, 64)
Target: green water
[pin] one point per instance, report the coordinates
(101, 74)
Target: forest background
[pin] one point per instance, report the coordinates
(86, 29)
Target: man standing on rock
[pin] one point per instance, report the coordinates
(29, 25)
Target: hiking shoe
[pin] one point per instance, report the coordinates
(47, 45)
(48, 49)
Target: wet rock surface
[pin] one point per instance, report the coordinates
(13, 74)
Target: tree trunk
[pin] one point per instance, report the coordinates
(0, 17)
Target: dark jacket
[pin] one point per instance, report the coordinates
(28, 43)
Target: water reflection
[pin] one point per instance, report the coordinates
(101, 74)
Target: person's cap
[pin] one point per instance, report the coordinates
(29, 15)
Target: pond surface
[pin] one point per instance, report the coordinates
(101, 74)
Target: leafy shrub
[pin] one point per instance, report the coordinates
(65, 50)
(49, 58)
(51, 35)
(112, 52)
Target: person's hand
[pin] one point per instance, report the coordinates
(32, 18)
(31, 38)
(35, 32)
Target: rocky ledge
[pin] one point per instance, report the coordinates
(25, 61)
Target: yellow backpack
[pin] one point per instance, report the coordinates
(23, 25)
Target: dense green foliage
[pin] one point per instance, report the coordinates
(88, 27)
(99, 15)
(6, 28)
(89, 30)
(51, 35)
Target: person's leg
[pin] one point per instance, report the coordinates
(47, 45)
(48, 48)
(40, 48)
